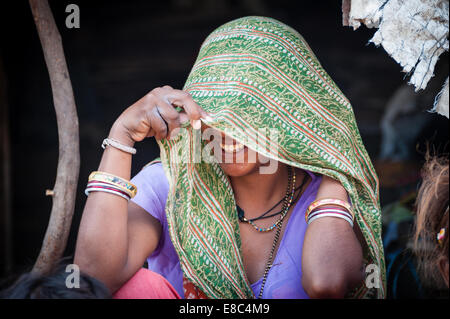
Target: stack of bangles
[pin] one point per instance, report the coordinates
(329, 208)
(108, 183)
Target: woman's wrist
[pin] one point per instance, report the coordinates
(121, 135)
(114, 160)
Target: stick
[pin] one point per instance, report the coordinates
(5, 180)
(64, 191)
(346, 6)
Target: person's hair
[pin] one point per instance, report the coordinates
(53, 286)
(432, 215)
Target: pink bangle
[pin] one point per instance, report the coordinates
(328, 201)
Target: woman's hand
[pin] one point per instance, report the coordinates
(155, 115)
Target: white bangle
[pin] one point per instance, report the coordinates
(118, 145)
(350, 221)
(110, 191)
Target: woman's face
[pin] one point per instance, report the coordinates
(234, 158)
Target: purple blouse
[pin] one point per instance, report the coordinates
(283, 279)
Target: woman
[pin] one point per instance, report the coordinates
(208, 226)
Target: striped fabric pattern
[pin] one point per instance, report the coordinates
(255, 74)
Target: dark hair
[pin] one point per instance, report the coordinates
(53, 286)
(432, 215)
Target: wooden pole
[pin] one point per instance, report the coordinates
(64, 191)
(346, 6)
(5, 181)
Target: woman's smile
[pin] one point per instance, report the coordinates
(236, 147)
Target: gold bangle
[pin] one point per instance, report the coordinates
(119, 182)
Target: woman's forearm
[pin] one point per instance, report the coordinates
(102, 243)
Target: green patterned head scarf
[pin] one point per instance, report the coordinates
(254, 73)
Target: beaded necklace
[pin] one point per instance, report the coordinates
(286, 204)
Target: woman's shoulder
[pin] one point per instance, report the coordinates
(152, 189)
(152, 177)
(153, 169)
